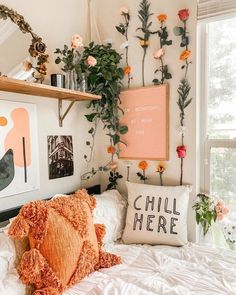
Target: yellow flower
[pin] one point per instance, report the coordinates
(143, 165)
(161, 167)
(162, 17)
(185, 54)
(127, 70)
(144, 43)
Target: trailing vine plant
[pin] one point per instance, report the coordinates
(144, 16)
(184, 87)
(163, 41)
(105, 79)
(123, 29)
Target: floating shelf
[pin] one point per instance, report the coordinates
(30, 88)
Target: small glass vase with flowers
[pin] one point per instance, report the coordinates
(209, 211)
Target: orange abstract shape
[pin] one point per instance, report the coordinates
(14, 139)
(3, 121)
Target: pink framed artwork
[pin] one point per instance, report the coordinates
(146, 113)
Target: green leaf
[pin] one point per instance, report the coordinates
(91, 117)
(123, 129)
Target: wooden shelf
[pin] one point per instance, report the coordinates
(30, 88)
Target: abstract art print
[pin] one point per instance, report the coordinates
(60, 156)
(146, 113)
(19, 166)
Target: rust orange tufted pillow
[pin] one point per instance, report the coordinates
(65, 245)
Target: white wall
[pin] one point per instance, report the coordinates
(55, 21)
(107, 22)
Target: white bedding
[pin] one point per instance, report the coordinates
(162, 270)
(146, 270)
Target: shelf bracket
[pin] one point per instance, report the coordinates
(62, 116)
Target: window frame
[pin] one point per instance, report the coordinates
(207, 144)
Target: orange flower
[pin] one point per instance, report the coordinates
(127, 70)
(143, 165)
(111, 150)
(185, 54)
(162, 17)
(27, 66)
(161, 167)
(144, 43)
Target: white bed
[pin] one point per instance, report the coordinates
(163, 270)
(146, 270)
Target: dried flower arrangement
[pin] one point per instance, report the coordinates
(37, 48)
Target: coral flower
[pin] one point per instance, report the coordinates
(127, 70)
(76, 41)
(143, 165)
(91, 61)
(185, 54)
(144, 43)
(113, 165)
(111, 150)
(159, 53)
(162, 17)
(161, 167)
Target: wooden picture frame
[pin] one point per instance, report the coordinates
(146, 113)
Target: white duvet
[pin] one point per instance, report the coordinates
(9, 279)
(146, 270)
(161, 270)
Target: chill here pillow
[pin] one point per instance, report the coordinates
(156, 215)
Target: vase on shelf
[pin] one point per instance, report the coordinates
(83, 83)
(72, 80)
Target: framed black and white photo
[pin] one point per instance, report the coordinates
(60, 156)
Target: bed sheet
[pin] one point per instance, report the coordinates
(163, 270)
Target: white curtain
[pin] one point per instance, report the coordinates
(211, 8)
(92, 33)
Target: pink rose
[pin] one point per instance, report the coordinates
(91, 61)
(159, 53)
(113, 165)
(181, 151)
(76, 41)
(225, 211)
(220, 203)
(183, 14)
(220, 216)
(124, 10)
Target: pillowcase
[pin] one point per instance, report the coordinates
(156, 215)
(65, 245)
(110, 211)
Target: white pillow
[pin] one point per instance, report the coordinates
(156, 215)
(110, 211)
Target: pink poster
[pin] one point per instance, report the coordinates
(146, 113)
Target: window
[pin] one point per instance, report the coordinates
(219, 103)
